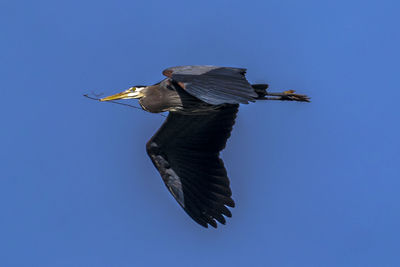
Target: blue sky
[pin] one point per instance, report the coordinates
(315, 184)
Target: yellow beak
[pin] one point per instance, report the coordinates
(127, 94)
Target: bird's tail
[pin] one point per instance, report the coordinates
(290, 95)
(261, 90)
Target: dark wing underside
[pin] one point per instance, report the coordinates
(214, 85)
(185, 150)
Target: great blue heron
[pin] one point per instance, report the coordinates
(202, 102)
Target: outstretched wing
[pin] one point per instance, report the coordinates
(185, 150)
(213, 85)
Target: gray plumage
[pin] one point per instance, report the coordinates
(214, 85)
(202, 102)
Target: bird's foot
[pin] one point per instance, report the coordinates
(288, 95)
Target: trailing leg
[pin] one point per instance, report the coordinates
(261, 90)
(289, 95)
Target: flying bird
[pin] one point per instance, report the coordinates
(202, 102)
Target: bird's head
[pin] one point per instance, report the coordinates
(133, 92)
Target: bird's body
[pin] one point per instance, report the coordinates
(169, 96)
(202, 102)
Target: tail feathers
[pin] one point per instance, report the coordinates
(260, 89)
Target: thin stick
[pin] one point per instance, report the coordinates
(115, 102)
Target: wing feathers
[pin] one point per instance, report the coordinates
(185, 150)
(214, 85)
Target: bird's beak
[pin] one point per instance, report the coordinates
(127, 94)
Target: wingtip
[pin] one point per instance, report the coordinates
(213, 223)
